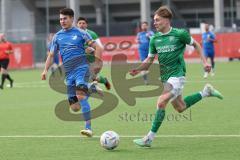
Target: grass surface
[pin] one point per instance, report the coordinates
(28, 110)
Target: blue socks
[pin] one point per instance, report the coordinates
(86, 110)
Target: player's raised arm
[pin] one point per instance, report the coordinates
(148, 61)
(48, 63)
(97, 53)
(144, 66)
(187, 39)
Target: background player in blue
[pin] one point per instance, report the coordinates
(208, 38)
(56, 59)
(143, 39)
(69, 41)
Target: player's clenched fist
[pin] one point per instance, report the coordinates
(44, 74)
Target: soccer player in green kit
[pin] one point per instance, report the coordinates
(169, 44)
(82, 23)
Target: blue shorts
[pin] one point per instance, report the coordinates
(143, 54)
(75, 78)
(209, 53)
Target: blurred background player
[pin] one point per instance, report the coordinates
(69, 42)
(82, 23)
(143, 38)
(56, 59)
(5, 50)
(169, 44)
(208, 40)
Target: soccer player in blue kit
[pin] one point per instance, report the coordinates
(208, 40)
(143, 39)
(69, 41)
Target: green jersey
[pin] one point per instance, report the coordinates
(170, 48)
(92, 34)
(90, 57)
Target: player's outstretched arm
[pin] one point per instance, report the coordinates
(47, 65)
(199, 50)
(98, 54)
(144, 66)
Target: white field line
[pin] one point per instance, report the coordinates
(42, 84)
(123, 136)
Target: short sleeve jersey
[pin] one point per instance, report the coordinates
(70, 44)
(170, 49)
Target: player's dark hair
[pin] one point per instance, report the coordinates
(67, 12)
(82, 19)
(164, 12)
(145, 22)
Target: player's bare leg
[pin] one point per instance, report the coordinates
(159, 116)
(5, 75)
(178, 104)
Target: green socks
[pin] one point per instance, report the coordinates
(192, 99)
(101, 79)
(159, 116)
(160, 113)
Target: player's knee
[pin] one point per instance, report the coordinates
(82, 88)
(81, 96)
(161, 105)
(75, 108)
(73, 102)
(179, 110)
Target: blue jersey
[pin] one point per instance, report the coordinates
(143, 39)
(70, 44)
(208, 46)
(143, 44)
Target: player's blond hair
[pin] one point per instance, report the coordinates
(164, 12)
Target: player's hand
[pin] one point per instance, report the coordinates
(207, 67)
(134, 72)
(89, 50)
(44, 75)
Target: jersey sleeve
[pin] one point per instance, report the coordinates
(185, 37)
(152, 49)
(88, 38)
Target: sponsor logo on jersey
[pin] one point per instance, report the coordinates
(74, 37)
(167, 48)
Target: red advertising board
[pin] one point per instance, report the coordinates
(22, 56)
(227, 46)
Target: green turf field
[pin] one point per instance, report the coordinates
(29, 129)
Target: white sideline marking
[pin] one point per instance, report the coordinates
(123, 136)
(44, 84)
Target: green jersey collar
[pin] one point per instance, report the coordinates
(161, 34)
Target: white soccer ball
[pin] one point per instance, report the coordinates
(109, 140)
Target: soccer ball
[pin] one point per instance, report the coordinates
(109, 140)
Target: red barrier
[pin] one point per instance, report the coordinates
(22, 56)
(227, 46)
